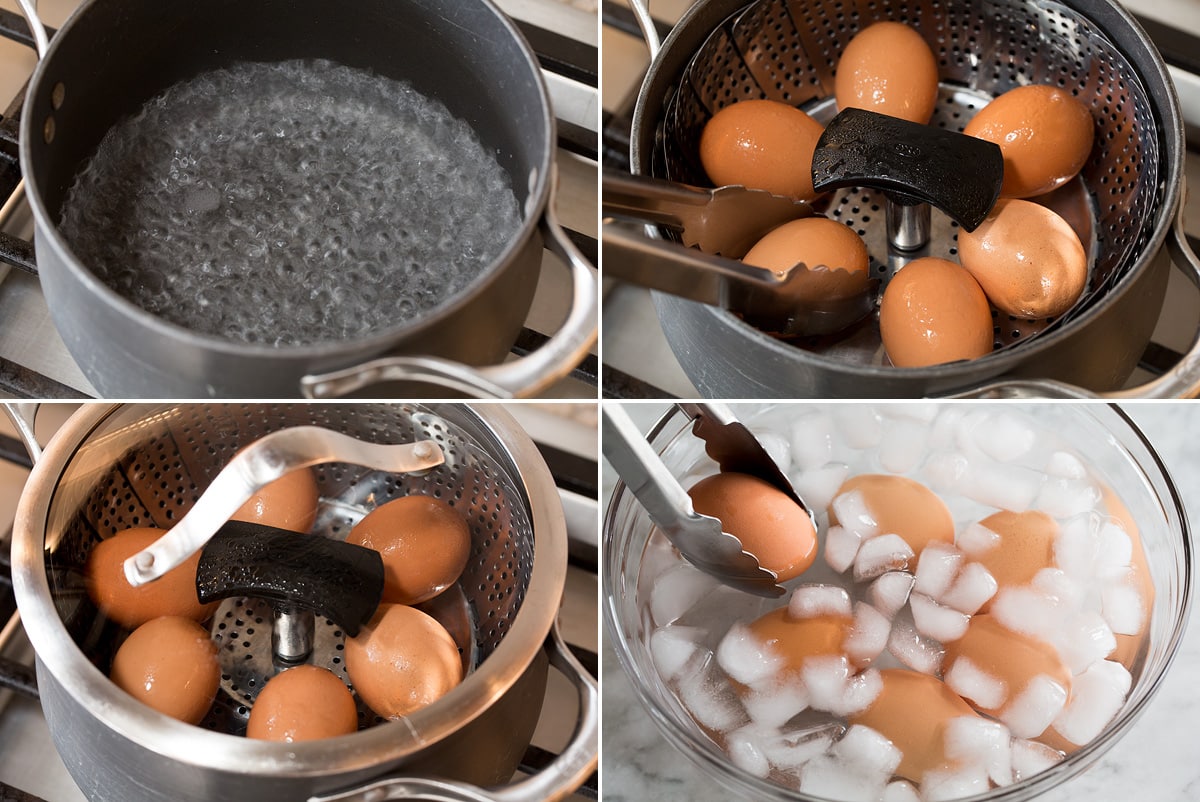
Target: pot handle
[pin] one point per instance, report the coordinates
(22, 415)
(641, 12)
(553, 783)
(516, 378)
(36, 27)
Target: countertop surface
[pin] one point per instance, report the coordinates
(1156, 760)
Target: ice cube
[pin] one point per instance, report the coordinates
(1114, 550)
(852, 513)
(1028, 611)
(672, 648)
(912, 649)
(1077, 545)
(977, 539)
(1063, 498)
(810, 601)
(790, 750)
(976, 741)
(881, 554)
(745, 749)
(889, 593)
(922, 412)
(900, 791)
(1031, 709)
(812, 440)
(676, 590)
(1084, 639)
(904, 445)
(860, 692)
(1004, 436)
(947, 472)
(778, 448)
(971, 589)
(829, 778)
(944, 624)
(974, 684)
(867, 751)
(869, 635)
(1097, 695)
(841, 547)
(944, 431)
(746, 658)
(859, 426)
(771, 705)
(825, 679)
(1008, 487)
(1065, 465)
(1031, 757)
(953, 782)
(1122, 606)
(1067, 592)
(937, 568)
(818, 486)
(710, 699)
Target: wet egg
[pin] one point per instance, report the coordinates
(1024, 546)
(814, 241)
(173, 594)
(932, 312)
(888, 68)
(170, 664)
(424, 543)
(1044, 133)
(770, 525)
(761, 144)
(402, 661)
(797, 640)
(290, 502)
(304, 703)
(1028, 260)
(903, 507)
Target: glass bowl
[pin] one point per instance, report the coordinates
(1118, 455)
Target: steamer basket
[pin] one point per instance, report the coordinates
(145, 466)
(1122, 204)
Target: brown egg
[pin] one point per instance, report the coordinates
(1028, 260)
(290, 502)
(1131, 647)
(815, 241)
(402, 661)
(1044, 133)
(424, 543)
(304, 703)
(798, 639)
(1026, 546)
(170, 664)
(172, 594)
(912, 711)
(888, 68)
(761, 144)
(1009, 656)
(934, 312)
(903, 507)
(770, 525)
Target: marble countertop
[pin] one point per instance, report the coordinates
(1156, 760)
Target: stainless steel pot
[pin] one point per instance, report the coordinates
(723, 50)
(112, 466)
(112, 56)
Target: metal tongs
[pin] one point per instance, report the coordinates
(255, 467)
(723, 224)
(700, 538)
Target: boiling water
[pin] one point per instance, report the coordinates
(290, 203)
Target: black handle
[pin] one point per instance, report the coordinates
(959, 174)
(340, 581)
(18, 677)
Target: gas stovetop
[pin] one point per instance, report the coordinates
(34, 362)
(638, 362)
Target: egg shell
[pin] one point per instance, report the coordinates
(903, 507)
(290, 502)
(424, 543)
(796, 640)
(1130, 648)
(303, 703)
(912, 711)
(1028, 260)
(932, 312)
(761, 144)
(888, 68)
(1010, 656)
(771, 526)
(1025, 546)
(173, 594)
(170, 664)
(1044, 133)
(402, 661)
(815, 241)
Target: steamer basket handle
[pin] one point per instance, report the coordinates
(553, 783)
(22, 416)
(641, 12)
(36, 27)
(516, 378)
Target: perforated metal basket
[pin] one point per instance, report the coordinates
(1122, 204)
(115, 468)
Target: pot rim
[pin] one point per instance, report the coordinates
(1171, 133)
(375, 747)
(701, 751)
(541, 193)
